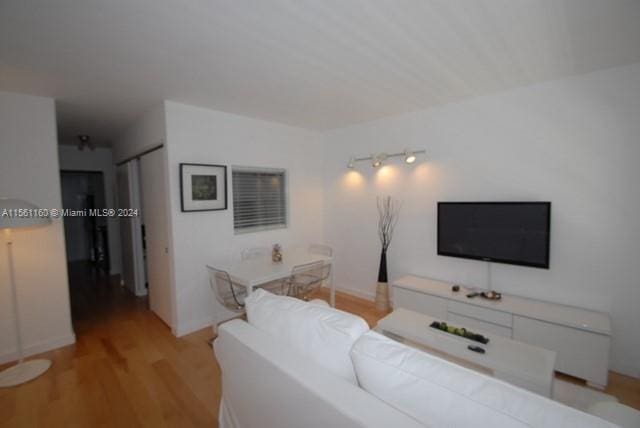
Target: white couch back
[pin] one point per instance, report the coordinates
(443, 394)
(268, 385)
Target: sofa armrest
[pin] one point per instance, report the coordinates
(267, 385)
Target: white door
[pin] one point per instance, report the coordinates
(155, 218)
(133, 274)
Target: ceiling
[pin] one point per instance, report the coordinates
(315, 64)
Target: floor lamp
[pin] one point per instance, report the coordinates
(18, 214)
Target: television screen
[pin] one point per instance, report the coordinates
(504, 232)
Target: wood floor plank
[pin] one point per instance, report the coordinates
(7, 405)
(146, 405)
(120, 407)
(196, 410)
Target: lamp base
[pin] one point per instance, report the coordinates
(23, 372)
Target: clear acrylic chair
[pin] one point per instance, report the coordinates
(229, 294)
(254, 253)
(321, 249)
(307, 278)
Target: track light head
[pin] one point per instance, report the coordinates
(409, 156)
(378, 159)
(351, 163)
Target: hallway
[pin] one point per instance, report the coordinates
(96, 297)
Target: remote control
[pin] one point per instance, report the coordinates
(472, 295)
(477, 349)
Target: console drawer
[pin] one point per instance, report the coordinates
(580, 353)
(472, 324)
(482, 314)
(427, 304)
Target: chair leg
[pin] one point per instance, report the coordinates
(291, 289)
(215, 332)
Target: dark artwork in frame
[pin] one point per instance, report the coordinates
(203, 187)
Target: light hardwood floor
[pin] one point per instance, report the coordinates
(127, 369)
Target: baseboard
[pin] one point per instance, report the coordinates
(627, 370)
(358, 293)
(191, 326)
(40, 347)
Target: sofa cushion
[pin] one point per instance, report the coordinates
(323, 334)
(439, 393)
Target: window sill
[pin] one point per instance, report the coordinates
(246, 230)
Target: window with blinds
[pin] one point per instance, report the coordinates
(259, 199)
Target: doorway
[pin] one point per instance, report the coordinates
(87, 244)
(86, 236)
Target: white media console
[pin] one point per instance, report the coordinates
(580, 337)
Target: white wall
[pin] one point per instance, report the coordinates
(100, 159)
(574, 142)
(29, 170)
(197, 135)
(146, 132)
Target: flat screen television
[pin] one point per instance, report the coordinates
(504, 232)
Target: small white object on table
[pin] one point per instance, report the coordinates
(527, 366)
(255, 272)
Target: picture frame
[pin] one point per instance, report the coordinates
(203, 187)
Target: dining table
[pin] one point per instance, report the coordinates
(253, 273)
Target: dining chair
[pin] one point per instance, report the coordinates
(229, 294)
(307, 278)
(254, 253)
(321, 249)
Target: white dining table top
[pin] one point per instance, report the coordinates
(254, 272)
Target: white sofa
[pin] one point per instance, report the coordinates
(266, 385)
(280, 370)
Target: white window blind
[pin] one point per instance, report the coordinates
(259, 199)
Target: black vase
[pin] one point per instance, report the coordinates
(382, 271)
(382, 290)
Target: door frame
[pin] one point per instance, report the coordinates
(134, 224)
(172, 323)
(160, 253)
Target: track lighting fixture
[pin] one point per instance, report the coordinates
(378, 159)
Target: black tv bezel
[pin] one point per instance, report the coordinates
(544, 265)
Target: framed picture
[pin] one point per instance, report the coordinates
(203, 187)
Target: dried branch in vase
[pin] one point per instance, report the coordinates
(388, 210)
